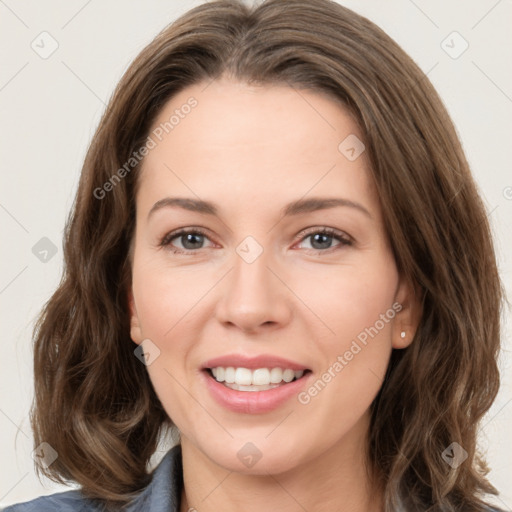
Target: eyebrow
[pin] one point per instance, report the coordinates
(298, 207)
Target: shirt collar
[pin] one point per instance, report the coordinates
(163, 494)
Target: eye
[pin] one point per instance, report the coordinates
(321, 239)
(191, 239)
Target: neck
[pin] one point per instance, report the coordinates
(334, 480)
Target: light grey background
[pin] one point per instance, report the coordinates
(50, 108)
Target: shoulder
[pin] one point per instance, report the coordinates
(162, 494)
(59, 502)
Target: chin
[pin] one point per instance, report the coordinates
(258, 457)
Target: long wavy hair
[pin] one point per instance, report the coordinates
(94, 402)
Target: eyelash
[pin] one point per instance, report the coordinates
(344, 239)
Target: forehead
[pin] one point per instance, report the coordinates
(254, 140)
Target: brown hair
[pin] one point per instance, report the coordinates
(94, 402)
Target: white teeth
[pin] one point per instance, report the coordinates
(229, 375)
(276, 375)
(243, 377)
(288, 375)
(236, 387)
(261, 377)
(220, 374)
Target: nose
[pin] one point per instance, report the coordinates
(254, 297)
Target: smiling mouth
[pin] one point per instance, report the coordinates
(260, 379)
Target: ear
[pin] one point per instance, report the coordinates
(409, 307)
(135, 328)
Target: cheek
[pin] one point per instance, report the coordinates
(355, 359)
(355, 303)
(165, 297)
(165, 301)
(351, 298)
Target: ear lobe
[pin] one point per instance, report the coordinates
(408, 318)
(403, 338)
(135, 328)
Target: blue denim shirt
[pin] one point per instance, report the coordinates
(163, 494)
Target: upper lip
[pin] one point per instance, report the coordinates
(254, 362)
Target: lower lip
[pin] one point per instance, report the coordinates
(253, 402)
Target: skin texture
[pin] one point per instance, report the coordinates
(252, 150)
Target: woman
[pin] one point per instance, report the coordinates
(261, 258)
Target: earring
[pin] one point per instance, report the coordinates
(402, 334)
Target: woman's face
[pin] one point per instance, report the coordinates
(260, 173)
